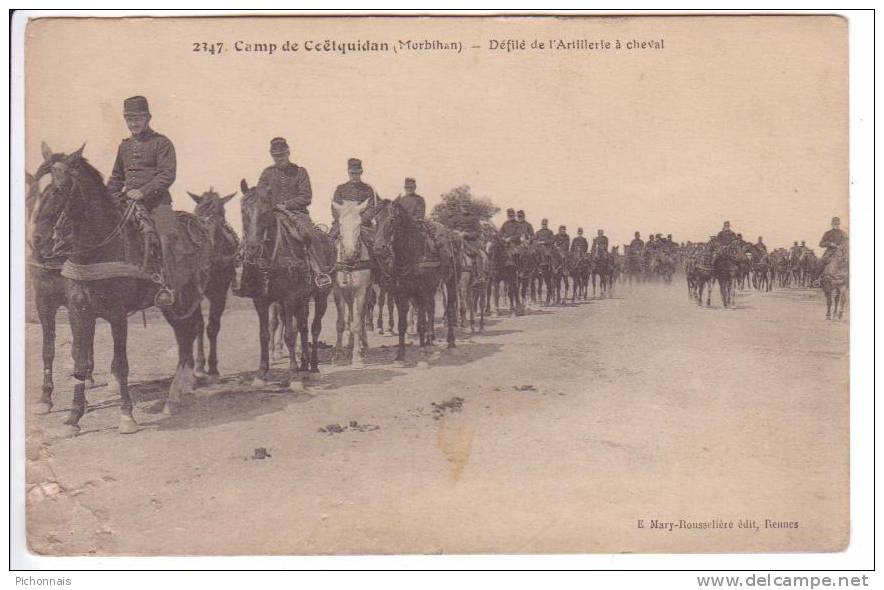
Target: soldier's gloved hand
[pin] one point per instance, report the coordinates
(135, 194)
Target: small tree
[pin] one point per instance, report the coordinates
(459, 208)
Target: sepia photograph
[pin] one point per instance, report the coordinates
(316, 285)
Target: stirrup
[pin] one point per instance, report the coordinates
(165, 297)
(322, 280)
(157, 278)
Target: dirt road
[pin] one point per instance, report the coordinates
(554, 432)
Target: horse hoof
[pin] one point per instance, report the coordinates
(70, 430)
(213, 378)
(199, 374)
(92, 384)
(128, 425)
(170, 408)
(42, 408)
(258, 382)
(357, 363)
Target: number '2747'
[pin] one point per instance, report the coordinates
(210, 48)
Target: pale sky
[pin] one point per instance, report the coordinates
(738, 118)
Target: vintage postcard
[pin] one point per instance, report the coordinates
(312, 285)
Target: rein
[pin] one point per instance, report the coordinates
(130, 208)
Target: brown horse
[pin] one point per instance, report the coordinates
(103, 280)
(725, 267)
(289, 283)
(48, 244)
(412, 265)
(835, 279)
(225, 247)
(505, 263)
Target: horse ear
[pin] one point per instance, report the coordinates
(224, 200)
(46, 151)
(243, 186)
(196, 198)
(79, 152)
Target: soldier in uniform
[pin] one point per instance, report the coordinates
(526, 228)
(636, 246)
(562, 240)
(285, 186)
(411, 202)
(831, 240)
(143, 172)
(726, 235)
(579, 244)
(354, 190)
(795, 251)
(544, 235)
(600, 244)
(510, 231)
(760, 245)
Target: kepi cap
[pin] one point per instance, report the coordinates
(410, 182)
(278, 145)
(135, 105)
(354, 164)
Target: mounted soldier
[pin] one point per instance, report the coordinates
(760, 245)
(544, 235)
(579, 245)
(831, 240)
(562, 240)
(600, 244)
(510, 231)
(526, 228)
(354, 190)
(411, 202)
(143, 172)
(636, 246)
(285, 188)
(726, 235)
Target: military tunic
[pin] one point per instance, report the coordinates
(511, 230)
(761, 246)
(600, 244)
(562, 241)
(357, 192)
(145, 162)
(544, 236)
(832, 238)
(726, 236)
(579, 245)
(526, 229)
(636, 246)
(414, 205)
(288, 186)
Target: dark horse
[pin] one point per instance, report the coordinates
(411, 266)
(103, 280)
(504, 266)
(725, 266)
(49, 243)
(834, 280)
(290, 283)
(225, 247)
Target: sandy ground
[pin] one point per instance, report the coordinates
(573, 424)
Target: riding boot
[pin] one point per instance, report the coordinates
(320, 278)
(166, 296)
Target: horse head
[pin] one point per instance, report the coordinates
(210, 205)
(349, 215)
(253, 208)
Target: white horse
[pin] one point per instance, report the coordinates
(352, 280)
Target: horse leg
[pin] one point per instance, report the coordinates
(828, 293)
(381, 301)
(304, 333)
(46, 313)
(402, 310)
(182, 382)
(319, 307)
(120, 370)
(217, 303)
(83, 331)
(341, 306)
(357, 329)
(199, 368)
(262, 307)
